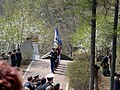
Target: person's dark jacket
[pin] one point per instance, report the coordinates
(53, 55)
(29, 85)
(117, 84)
(18, 56)
(46, 85)
(13, 60)
(39, 87)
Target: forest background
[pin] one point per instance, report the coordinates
(20, 19)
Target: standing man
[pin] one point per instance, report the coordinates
(56, 58)
(19, 57)
(52, 59)
(105, 65)
(13, 58)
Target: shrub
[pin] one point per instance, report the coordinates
(78, 75)
(80, 55)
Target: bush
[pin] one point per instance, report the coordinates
(78, 75)
(80, 55)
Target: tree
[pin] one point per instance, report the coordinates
(93, 34)
(114, 45)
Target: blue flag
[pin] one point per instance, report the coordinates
(57, 40)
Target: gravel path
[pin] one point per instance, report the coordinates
(42, 68)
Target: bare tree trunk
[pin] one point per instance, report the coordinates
(114, 45)
(93, 33)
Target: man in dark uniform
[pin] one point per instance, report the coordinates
(50, 81)
(19, 57)
(52, 59)
(43, 81)
(56, 58)
(13, 58)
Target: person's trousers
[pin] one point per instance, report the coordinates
(59, 59)
(13, 63)
(52, 65)
(18, 63)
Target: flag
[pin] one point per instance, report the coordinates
(58, 44)
(57, 40)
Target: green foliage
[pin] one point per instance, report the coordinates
(78, 75)
(72, 17)
(80, 3)
(81, 38)
(19, 19)
(104, 32)
(80, 55)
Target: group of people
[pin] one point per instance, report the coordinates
(14, 57)
(42, 84)
(33, 83)
(54, 59)
(106, 64)
(11, 79)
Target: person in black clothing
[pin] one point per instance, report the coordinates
(56, 58)
(105, 66)
(50, 81)
(43, 81)
(57, 86)
(53, 57)
(37, 81)
(105, 60)
(13, 58)
(19, 57)
(29, 83)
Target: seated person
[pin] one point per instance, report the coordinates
(43, 81)
(29, 83)
(50, 81)
(57, 86)
(36, 81)
(10, 77)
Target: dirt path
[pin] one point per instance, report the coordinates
(104, 83)
(42, 68)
